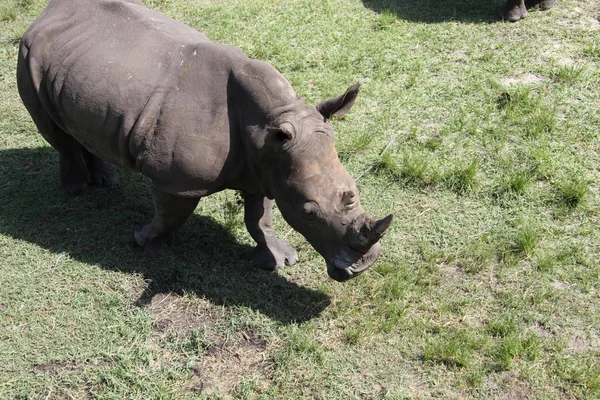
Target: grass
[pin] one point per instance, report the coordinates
(592, 50)
(526, 240)
(463, 177)
(569, 73)
(481, 137)
(572, 190)
(452, 348)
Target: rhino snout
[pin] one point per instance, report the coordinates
(350, 263)
(362, 250)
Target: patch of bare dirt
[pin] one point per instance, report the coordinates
(525, 79)
(173, 314)
(459, 55)
(222, 367)
(541, 329)
(580, 19)
(414, 382)
(453, 275)
(559, 285)
(508, 386)
(227, 359)
(580, 342)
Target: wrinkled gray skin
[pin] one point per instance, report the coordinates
(112, 82)
(515, 10)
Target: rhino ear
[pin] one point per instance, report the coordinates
(339, 106)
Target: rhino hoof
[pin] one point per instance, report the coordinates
(158, 244)
(513, 14)
(76, 174)
(75, 189)
(73, 175)
(274, 255)
(146, 237)
(103, 174)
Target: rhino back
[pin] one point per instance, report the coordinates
(135, 87)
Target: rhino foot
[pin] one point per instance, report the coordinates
(73, 174)
(512, 11)
(80, 169)
(101, 173)
(542, 4)
(276, 254)
(147, 237)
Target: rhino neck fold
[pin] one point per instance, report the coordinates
(257, 94)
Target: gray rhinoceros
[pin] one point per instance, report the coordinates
(515, 10)
(113, 82)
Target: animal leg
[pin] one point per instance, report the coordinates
(513, 10)
(77, 166)
(170, 213)
(73, 172)
(101, 173)
(270, 251)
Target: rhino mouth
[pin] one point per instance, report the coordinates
(350, 263)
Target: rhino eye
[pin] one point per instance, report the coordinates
(310, 210)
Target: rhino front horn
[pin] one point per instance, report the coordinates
(378, 228)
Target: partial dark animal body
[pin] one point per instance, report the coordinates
(515, 10)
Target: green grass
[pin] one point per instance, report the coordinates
(526, 240)
(592, 50)
(572, 190)
(452, 348)
(463, 177)
(569, 73)
(480, 136)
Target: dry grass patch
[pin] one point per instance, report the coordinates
(221, 360)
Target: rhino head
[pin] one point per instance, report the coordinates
(315, 193)
(301, 170)
(297, 166)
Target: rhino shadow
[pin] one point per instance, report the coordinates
(97, 229)
(435, 11)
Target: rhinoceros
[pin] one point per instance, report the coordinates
(515, 10)
(111, 82)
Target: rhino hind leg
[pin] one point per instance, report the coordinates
(74, 176)
(100, 173)
(80, 168)
(77, 166)
(74, 173)
(72, 170)
(270, 252)
(513, 10)
(171, 212)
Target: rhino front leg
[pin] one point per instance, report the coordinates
(270, 252)
(170, 213)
